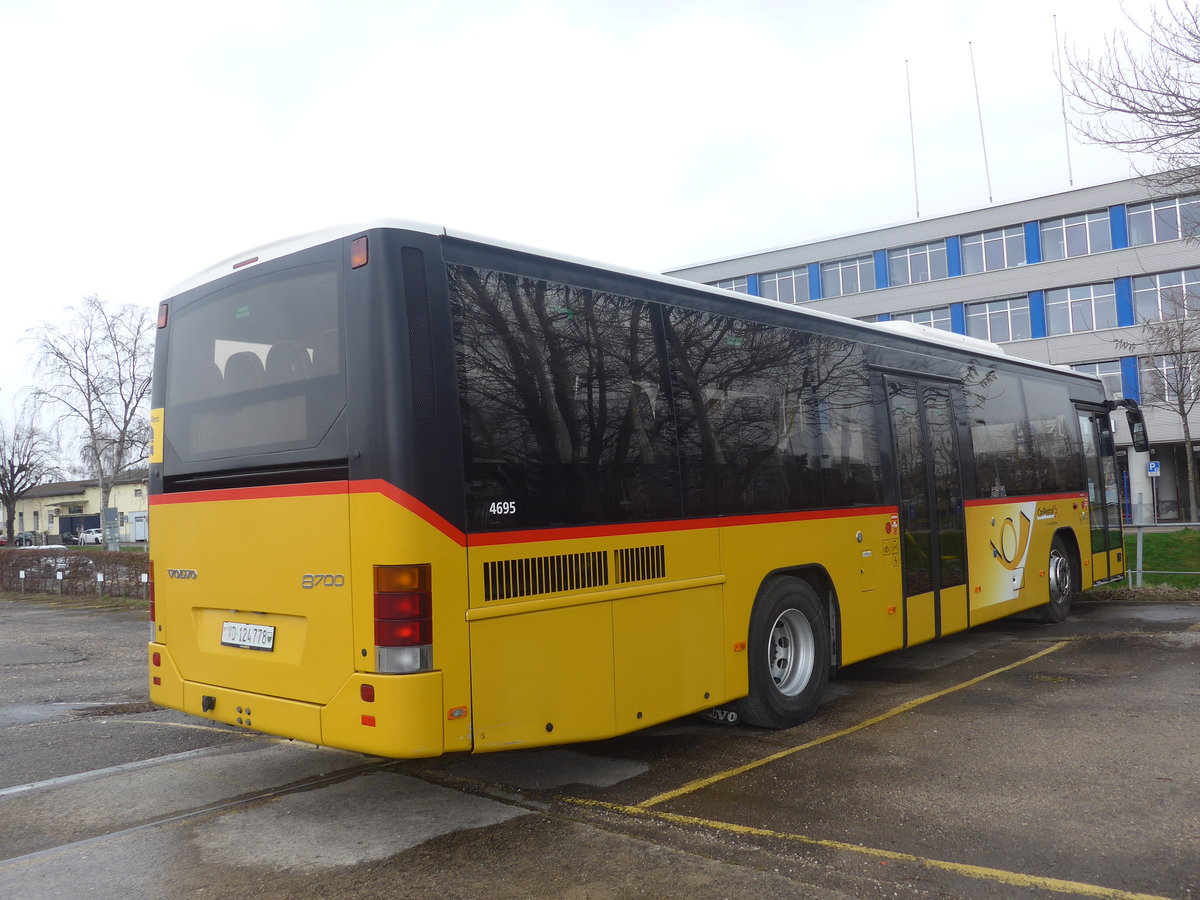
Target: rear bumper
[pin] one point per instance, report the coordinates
(406, 719)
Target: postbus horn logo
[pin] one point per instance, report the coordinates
(1014, 542)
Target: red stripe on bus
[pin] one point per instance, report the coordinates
(489, 539)
(589, 531)
(271, 492)
(411, 503)
(1029, 498)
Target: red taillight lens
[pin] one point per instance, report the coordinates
(403, 618)
(411, 633)
(402, 606)
(162, 315)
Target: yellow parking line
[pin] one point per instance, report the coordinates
(1000, 876)
(699, 783)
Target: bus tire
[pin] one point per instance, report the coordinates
(788, 650)
(1061, 577)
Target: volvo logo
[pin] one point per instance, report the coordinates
(186, 574)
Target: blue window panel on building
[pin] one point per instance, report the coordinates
(1118, 224)
(814, 281)
(953, 257)
(958, 318)
(752, 285)
(1130, 386)
(1124, 289)
(881, 270)
(1033, 243)
(1037, 313)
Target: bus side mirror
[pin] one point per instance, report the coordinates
(1137, 430)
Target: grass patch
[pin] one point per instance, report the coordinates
(1166, 551)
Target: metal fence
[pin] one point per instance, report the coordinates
(1135, 573)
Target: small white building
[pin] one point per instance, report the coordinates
(54, 509)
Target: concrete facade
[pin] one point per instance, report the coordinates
(956, 301)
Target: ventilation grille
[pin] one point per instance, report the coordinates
(640, 563)
(508, 578)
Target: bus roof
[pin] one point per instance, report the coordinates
(912, 331)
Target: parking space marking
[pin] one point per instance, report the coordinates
(985, 873)
(710, 780)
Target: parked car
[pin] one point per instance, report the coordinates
(3, 540)
(69, 537)
(91, 536)
(24, 539)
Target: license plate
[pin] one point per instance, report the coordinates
(247, 636)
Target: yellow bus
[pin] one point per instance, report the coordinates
(415, 492)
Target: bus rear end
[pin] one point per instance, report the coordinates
(294, 572)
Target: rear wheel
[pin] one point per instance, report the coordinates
(1061, 574)
(788, 655)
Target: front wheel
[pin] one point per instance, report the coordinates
(1061, 576)
(788, 655)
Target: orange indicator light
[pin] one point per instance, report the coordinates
(369, 721)
(358, 252)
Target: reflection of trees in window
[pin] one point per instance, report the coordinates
(999, 434)
(1054, 444)
(564, 412)
(769, 418)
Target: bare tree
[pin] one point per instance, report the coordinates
(95, 368)
(1169, 349)
(1141, 94)
(27, 459)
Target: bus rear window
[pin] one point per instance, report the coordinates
(257, 367)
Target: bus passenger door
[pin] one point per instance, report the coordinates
(1103, 505)
(929, 482)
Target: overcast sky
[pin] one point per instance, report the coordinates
(145, 141)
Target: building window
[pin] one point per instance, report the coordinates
(789, 286)
(1164, 220)
(934, 318)
(921, 262)
(1165, 295)
(847, 276)
(1000, 320)
(1076, 235)
(1162, 380)
(1086, 307)
(1108, 371)
(732, 284)
(991, 250)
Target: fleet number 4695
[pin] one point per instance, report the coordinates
(503, 508)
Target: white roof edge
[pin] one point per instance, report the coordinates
(283, 247)
(311, 239)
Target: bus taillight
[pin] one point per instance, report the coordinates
(403, 619)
